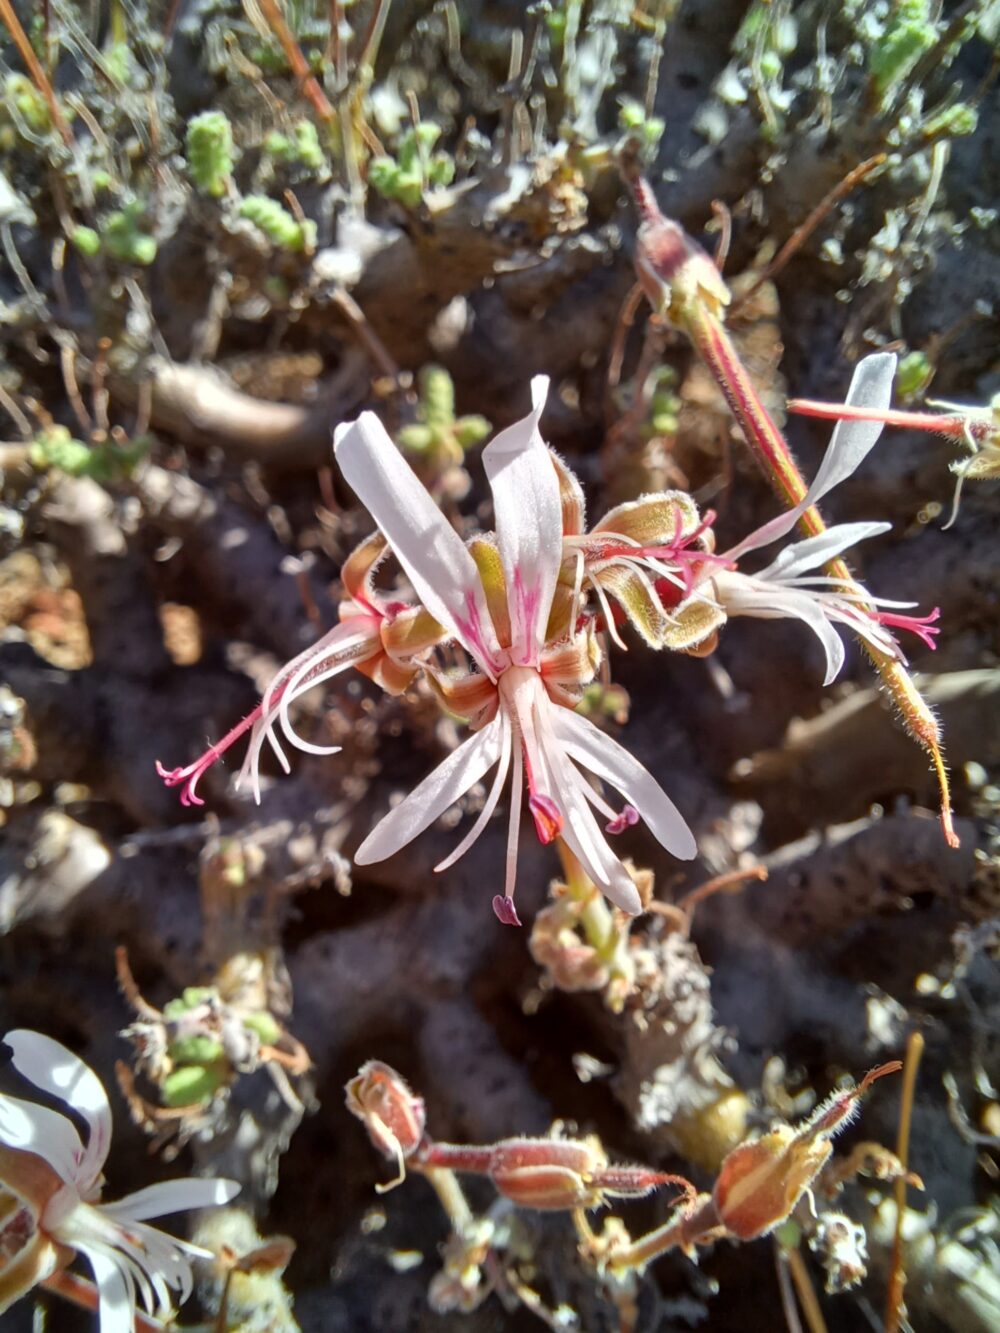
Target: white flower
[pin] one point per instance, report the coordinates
(787, 587)
(128, 1258)
(518, 704)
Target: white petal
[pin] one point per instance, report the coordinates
(814, 552)
(117, 1307)
(54, 1069)
(603, 756)
(852, 441)
(443, 573)
(492, 799)
(742, 596)
(585, 840)
(45, 1132)
(451, 779)
(528, 512)
(171, 1196)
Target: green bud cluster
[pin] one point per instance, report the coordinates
(664, 406)
(908, 33)
(647, 129)
(302, 146)
(123, 239)
(209, 148)
(200, 1065)
(107, 461)
(277, 224)
(913, 374)
(21, 95)
(437, 431)
(415, 169)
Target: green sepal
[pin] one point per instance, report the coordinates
(692, 624)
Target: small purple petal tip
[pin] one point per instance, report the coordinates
(505, 910)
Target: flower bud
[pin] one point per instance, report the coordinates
(392, 1114)
(555, 1174)
(761, 1182)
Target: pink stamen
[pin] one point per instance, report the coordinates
(505, 910)
(191, 775)
(628, 818)
(922, 626)
(547, 816)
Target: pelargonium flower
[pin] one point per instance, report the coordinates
(788, 587)
(496, 602)
(53, 1186)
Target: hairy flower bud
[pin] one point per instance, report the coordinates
(554, 1174)
(761, 1182)
(392, 1114)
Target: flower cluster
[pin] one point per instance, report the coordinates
(531, 607)
(50, 1189)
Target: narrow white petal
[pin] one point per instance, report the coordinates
(603, 756)
(117, 1307)
(45, 1132)
(743, 596)
(528, 513)
(587, 843)
(492, 800)
(171, 1196)
(852, 441)
(443, 573)
(451, 779)
(850, 444)
(56, 1070)
(340, 651)
(814, 552)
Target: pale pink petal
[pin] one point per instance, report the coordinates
(528, 512)
(443, 573)
(603, 756)
(451, 779)
(54, 1069)
(585, 840)
(171, 1196)
(815, 552)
